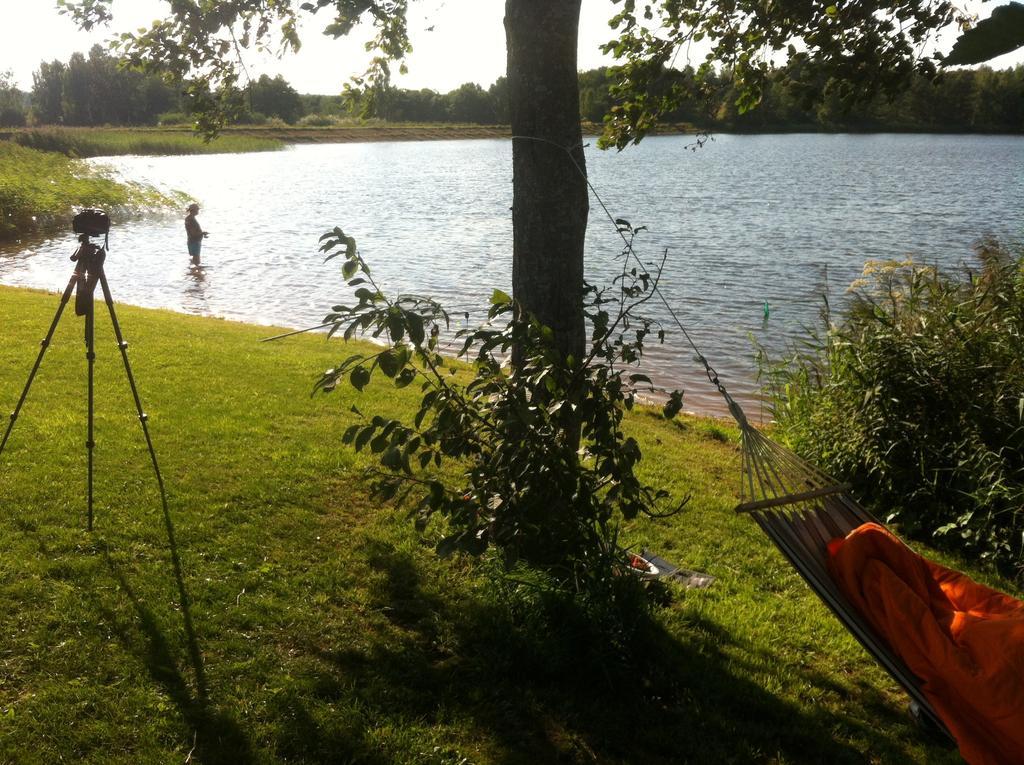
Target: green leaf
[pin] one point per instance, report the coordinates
(396, 325)
(500, 298)
(436, 494)
(674, 405)
(414, 322)
(359, 377)
(1001, 33)
(392, 459)
(387, 490)
(405, 377)
(364, 437)
(367, 295)
(389, 362)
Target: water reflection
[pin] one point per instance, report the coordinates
(747, 219)
(195, 291)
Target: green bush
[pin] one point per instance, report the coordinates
(174, 118)
(917, 398)
(39, 189)
(525, 458)
(317, 120)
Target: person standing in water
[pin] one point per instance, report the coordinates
(195, 234)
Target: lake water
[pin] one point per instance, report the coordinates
(746, 220)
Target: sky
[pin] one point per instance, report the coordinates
(454, 41)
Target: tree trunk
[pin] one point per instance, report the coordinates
(549, 198)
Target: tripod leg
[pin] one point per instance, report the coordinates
(39, 359)
(90, 355)
(143, 417)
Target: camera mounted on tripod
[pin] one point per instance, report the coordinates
(91, 223)
(89, 256)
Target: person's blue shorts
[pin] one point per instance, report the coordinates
(194, 246)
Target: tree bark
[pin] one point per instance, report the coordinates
(549, 198)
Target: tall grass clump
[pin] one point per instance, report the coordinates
(102, 142)
(37, 188)
(916, 396)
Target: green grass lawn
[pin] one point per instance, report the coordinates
(290, 618)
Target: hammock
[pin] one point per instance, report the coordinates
(801, 509)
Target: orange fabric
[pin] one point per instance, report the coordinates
(963, 640)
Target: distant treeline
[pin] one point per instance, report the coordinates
(94, 90)
(971, 100)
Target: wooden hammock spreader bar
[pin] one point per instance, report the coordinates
(791, 499)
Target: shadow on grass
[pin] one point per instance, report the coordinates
(537, 688)
(548, 692)
(217, 738)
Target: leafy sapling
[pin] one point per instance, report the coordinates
(544, 471)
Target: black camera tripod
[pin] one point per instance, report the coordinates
(88, 273)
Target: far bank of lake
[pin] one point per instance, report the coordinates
(747, 220)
